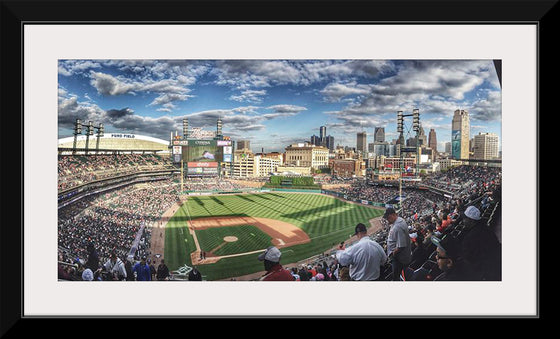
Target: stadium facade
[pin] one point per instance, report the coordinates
(114, 142)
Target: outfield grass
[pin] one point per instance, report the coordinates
(326, 220)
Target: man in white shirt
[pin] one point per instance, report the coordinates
(115, 267)
(364, 258)
(398, 243)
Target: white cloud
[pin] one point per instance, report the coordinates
(167, 98)
(249, 96)
(334, 92)
(287, 109)
(488, 107)
(72, 67)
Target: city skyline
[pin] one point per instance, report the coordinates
(275, 103)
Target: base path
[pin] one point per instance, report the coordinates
(283, 234)
(157, 243)
(376, 227)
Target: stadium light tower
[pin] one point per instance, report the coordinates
(77, 130)
(400, 122)
(185, 128)
(416, 128)
(400, 129)
(100, 133)
(89, 131)
(219, 128)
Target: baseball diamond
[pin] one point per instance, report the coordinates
(300, 224)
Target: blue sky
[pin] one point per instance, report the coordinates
(275, 103)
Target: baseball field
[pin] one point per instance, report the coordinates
(223, 234)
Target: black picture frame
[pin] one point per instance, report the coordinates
(16, 14)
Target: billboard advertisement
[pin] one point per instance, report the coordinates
(202, 164)
(227, 157)
(202, 171)
(456, 144)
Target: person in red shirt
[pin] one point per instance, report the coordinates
(274, 270)
(446, 221)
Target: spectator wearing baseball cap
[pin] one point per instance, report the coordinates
(87, 275)
(115, 267)
(274, 270)
(449, 260)
(194, 274)
(399, 246)
(142, 270)
(364, 258)
(481, 248)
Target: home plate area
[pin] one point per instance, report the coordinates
(283, 234)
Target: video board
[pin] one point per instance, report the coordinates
(202, 157)
(202, 151)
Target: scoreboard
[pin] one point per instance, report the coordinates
(202, 157)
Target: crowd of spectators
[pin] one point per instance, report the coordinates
(109, 224)
(334, 180)
(461, 179)
(364, 191)
(435, 219)
(211, 184)
(75, 170)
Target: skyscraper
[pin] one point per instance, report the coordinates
(448, 147)
(379, 134)
(330, 143)
(323, 139)
(460, 132)
(422, 138)
(432, 140)
(361, 142)
(315, 140)
(241, 144)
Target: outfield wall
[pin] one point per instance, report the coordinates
(294, 190)
(252, 190)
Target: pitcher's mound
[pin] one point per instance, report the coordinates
(230, 239)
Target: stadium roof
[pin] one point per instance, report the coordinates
(120, 141)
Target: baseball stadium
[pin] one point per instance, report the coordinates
(178, 207)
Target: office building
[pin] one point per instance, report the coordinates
(432, 139)
(307, 155)
(243, 144)
(486, 146)
(379, 134)
(361, 142)
(460, 135)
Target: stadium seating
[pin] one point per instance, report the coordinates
(469, 187)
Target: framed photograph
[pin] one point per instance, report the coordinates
(198, 94)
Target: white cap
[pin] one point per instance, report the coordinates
(472, 213)
(87, 275)
(271, 254)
